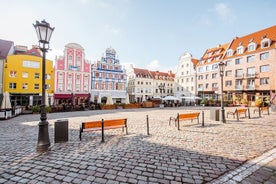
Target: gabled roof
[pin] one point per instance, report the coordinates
(145, 73)
(5, 47)
(257, 37)
(195, 62)
(142, 72)
(211, 54)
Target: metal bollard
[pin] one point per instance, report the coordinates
(248, 110)
(203, 118)
(259, 111)
(147, 125)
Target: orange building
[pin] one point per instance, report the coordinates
(250, 68)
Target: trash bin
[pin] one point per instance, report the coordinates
(214, 114)
(61, 130)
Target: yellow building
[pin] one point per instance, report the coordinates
(23, 79)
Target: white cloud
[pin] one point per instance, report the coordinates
(224, 12)
(53, 53)
(153, 65)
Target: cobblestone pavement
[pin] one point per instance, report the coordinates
(235, 152)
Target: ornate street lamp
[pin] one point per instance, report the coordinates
(44, 33)
(221, 70)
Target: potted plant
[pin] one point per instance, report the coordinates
(258, 102)
(204, 101)
(244, 102)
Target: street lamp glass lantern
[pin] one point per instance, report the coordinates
(221, 68)
(44, 32)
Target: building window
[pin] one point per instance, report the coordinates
(47, 86)
(229, 52)
(228, 63)
(200, 77)
(238, 61)
(25, 86)
(214, 85)
(36, 75)
(78, 61)
(251, 72)
(228, 73)
(214, 66)
(264, 68)
(264, 81)
(239, 73)
(264, 55)
(250, 58)
(228, 83)
(13, 74)
(240, 50)
(200, 87)
(70, 61)
(24, 74)
(214, 75)
(48, 76)
(36, 86)
(12, 85)
(206, 76)
(206, 86)
(251, 46)
(207, 68)
(200, 69)
(265, 43)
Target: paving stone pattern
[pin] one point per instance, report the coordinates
(216, 153)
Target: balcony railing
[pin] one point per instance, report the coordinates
(239, 87)
(238, 75)
(251, 75)
(250, 87)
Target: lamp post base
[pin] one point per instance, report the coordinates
(223, 120)
(43, 142)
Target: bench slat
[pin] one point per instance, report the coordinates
(93, 124)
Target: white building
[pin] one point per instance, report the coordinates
(144, 84)
(185, 78)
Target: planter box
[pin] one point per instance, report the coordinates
(103, 107)
(132, 106)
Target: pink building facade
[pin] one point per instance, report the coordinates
(72, 76)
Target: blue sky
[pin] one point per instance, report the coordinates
(149, 34)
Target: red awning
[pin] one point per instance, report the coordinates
(62, 96)
(82, 95)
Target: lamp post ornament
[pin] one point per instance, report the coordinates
(221, 70)
(44, 32)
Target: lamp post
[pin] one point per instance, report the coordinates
(221, 70)
(44, 33)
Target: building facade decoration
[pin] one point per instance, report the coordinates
(108, 78)
(185, 79)
(72, 76)
(144, 84)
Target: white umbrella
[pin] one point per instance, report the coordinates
(127, 99)
(170, 98)
(6, 102)
(109, 100)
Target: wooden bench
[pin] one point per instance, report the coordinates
(183, 117)
(237, 112)
(103, 125)
(261, 110)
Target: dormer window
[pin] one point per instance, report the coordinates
(209, 60)
(265, 43)
(209, 54)
(217, 52)
(217, 58)
(240, 50)
(229, 52)
(251, 46)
